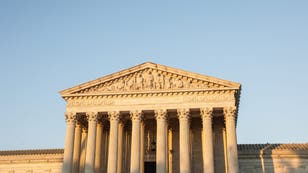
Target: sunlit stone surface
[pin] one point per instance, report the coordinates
(154, 118)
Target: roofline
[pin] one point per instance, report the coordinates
(150, 92)
(31, 152)
(143, 66)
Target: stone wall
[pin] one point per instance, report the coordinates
(273, 158)
(31, 161)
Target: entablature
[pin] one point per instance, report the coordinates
(151, 101)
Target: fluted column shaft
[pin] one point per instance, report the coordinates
(105, 153)
(90, 153)
(230, 115)
(184, 119)
(84, 137)
(98, 147)
(120, 146)
(161, 141)
(170, 150)
(142, 147)
(69, 142)
(113, 142)
(77, 141)
(136, 117)
(207, 147)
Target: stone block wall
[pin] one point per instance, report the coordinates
(273, 158)
(31, 161)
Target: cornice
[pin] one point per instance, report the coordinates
(154, 93)
(292, 148)
(32, 152)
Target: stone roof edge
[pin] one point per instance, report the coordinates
(31, 152)
(268, 148)
(143, 66)
(153, 92)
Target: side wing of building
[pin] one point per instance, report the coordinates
(253, 158)
(31, 161)
(273, 158)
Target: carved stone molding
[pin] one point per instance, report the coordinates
(78, 124)
(136, 115)
(161, 114)
(206, 113)
(205, 97)
(183, 114)
(70, 117)
(100, 123)
(84, 129)
(230, 113)
(114, 115)
(91, 116)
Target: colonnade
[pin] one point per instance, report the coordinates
(78, 159)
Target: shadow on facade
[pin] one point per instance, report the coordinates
(272, 158)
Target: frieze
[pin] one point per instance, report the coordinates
(208, 98)
(90, 102)
(145, 100)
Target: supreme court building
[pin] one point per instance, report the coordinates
(152, 117)
(155, 119)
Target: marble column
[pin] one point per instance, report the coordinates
(113, 142)
(90, 153)
(82, 161)
(184, 121)
(120, 146)
(207, 140)
(230, 115)
(70, 119)
(170, 150)
(77, 143)
(142, 147)
(105, 154)
(98, 147)
(136, 117)
(161, 141)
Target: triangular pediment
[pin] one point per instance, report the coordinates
(150, 77)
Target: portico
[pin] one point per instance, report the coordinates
(151, 113)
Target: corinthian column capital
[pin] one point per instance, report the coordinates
(206, 113)
(161, 114)
(136, 115)
(91, 116)
(70, 117)
(230, 112)
(183, 114)
(114, 115)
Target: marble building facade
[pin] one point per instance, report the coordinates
(155, 118)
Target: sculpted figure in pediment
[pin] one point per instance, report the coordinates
(120, 85)
(129, 83)
(160, 81)
(148, 80)
(139, 82)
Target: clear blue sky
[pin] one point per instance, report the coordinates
(48, 46)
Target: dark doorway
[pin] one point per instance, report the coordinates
(149, 167)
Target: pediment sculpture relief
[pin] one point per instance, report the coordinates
(150, 79)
